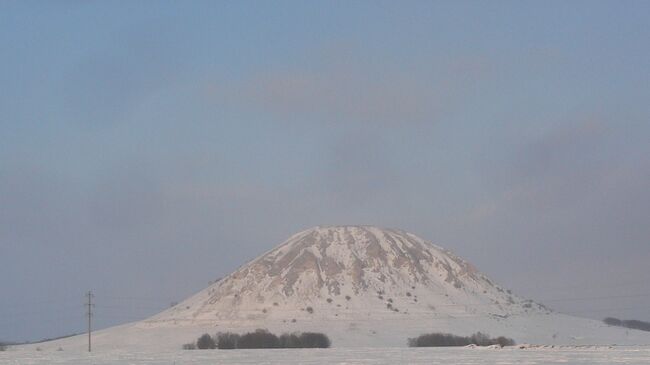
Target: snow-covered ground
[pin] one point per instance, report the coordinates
(369, 289)
(375, 356)
(543, 329)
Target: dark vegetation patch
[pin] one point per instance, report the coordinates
(227, 340)
(446, 339)
(206, 342)
(5, 345)
(628, 323)
(260, 339)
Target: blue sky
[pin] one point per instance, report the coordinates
(149, 147)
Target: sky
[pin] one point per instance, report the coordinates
(149, 147)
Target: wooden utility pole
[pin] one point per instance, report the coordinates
(89, 313)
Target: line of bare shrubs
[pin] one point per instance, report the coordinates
(260, 339)
(446, 339)
(628, 323)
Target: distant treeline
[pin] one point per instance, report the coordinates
(4, 345)
(446, 339)
(628, 323)
(260, 339)
(53, 338)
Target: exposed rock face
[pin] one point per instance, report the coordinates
(350, 272)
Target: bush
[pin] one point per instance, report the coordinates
(446, 339)
(481, 339)
(290, 341)
(438, 339)
(260, 339)
(314, 340)
(505, 341)
(613, 321)
(206, 342)
(637, 325)
(227, 340)
(3, 346)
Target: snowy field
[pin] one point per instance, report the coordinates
(349, 356)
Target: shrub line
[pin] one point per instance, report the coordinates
(447, 339)
(260, 339)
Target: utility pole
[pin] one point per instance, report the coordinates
(89, 313)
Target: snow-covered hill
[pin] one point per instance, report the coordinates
(351, 272)
(364, 287)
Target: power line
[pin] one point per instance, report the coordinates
(596, 298)
(153, 299)
(129, 306)
(585, 286)
(610, 309)
(14, 318)
(30, 313)
(23, 314)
